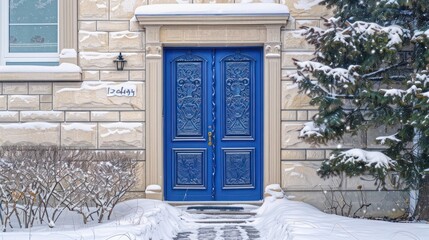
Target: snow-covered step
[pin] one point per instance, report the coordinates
(222, 212)
(224, 221)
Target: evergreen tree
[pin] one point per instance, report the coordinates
(371, 69)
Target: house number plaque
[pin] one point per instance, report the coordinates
(122, 91)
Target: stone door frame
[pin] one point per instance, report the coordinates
(259, 31)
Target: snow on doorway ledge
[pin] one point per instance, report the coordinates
(245, 9)
(219, 13)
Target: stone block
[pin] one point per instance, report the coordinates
(303, 176)
(40, 88)
(290, 136)
(133, 116)
(45, 98)
(138, 155)
(93, 41)
(135, 26)
(15, 88)
(46, 106)
(307, 23)
(137, 75)
(77, 116)
(292, 99)
(286, 73)
(295, 40)
(95, 60)
(302, 115)
(367, 182)
(316, 154)
(288, 115)
(307, 8)
(9, 116)
(121, 135)
(99, 116)
(207, 34)
(93, 9)
(33, 133)
(293, 155)
(291, 23)
(140, 184)
(287, 57)
(93, 96)
(290, 139)
(3, 102)
(124, 9)
(83, 135)
(42, 116)
(91, 75)
(113, 26)
(114, 75)
(23, 102)
(125, 41)
(311, 114)
(90, 26)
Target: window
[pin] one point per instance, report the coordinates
(30, 32)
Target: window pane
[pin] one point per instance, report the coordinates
(33, 11)
(33, 63)
(33, 38)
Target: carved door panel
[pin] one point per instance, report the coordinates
(213, 124)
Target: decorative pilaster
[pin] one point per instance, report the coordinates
(154, 117)
(68, 24)
(272, 106)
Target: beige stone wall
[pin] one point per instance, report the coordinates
(80, 114)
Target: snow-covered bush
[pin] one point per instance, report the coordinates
(356, 162)
(370, 71)
(38, 183)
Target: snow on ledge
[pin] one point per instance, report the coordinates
(225, 9)
(68, 53)
(62, 68)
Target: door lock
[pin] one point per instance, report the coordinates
(210, 134)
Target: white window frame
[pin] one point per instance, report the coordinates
(6, 56)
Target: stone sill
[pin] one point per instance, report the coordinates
(40, 76)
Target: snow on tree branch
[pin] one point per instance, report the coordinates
(420, 35)
(370, 159)
(392, 138)
(310, 129)
(341, 75)
(395, 33)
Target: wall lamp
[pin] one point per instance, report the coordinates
(120, 62)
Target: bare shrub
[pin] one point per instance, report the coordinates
(338, 203)
(39, 183)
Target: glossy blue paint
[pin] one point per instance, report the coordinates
(215, 91)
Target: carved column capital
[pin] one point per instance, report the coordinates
(153, 51)
(273, 50)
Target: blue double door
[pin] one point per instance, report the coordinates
(213, 124)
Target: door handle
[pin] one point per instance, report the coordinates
(210, 134)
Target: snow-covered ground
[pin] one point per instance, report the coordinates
(131, 220)
(282, 219)
(276, 219)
